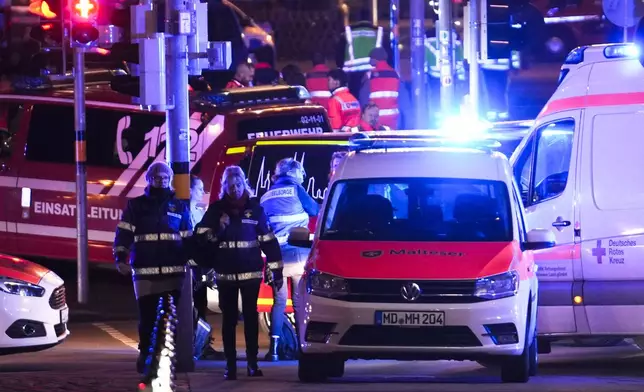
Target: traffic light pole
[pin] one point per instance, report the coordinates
(394, 13)
(446, 56)
(179, 27)
(81, 174)
(418, 86)
(473, 56)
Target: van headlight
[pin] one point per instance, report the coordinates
(20, 287)
(325, 285)
(498, 286)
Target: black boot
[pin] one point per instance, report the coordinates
(231, 371)
(253, 370)
(273, 350)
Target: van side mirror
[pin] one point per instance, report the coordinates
(300, 237)
(540, 239)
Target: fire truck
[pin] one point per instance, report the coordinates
(37, 165)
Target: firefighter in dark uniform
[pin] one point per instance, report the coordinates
(233, 233)
(149, 244)
(287, 205)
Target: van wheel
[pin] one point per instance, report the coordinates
(311, 369)
(265, 322)
(519, 369)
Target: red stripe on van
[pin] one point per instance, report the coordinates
(586, 101)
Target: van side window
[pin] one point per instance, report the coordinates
(11, 118)
(523, 170)
(51, 135)
(552, 160)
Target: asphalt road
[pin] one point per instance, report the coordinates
(100, 357)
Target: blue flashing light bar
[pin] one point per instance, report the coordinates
(362, 141)
(254, 96)
(621, 51)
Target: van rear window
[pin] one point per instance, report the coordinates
(283, 125)
(316, 159)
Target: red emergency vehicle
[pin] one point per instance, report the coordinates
(259, 157)
(37, 165)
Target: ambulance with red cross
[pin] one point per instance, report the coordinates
(420, 252)
(37, 169)
(580, 174)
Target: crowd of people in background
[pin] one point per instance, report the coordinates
(376, 108)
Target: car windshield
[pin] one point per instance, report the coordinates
(418, 209)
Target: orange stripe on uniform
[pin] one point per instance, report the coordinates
(596, 100)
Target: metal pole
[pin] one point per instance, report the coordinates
(419, 95)
(446, 55)
(473, 55)
(394, 34)
(63, 47)
(178, 153)
(374, 12)
(81, 174)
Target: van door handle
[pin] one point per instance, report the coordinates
(560, 222)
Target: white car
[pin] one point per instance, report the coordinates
(34, 309)
(421, 253)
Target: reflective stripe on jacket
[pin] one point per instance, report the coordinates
(384, 85)
(287, 205)
(151, 234)
(235, 252)
(360, 42)
(317, 82)
(344, 109)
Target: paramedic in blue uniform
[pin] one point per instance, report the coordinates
(149, 244)
(287, 205)
(233, 234)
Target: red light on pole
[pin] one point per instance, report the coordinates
(85, 9)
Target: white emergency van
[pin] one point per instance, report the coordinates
(420, 253)
(580, 171)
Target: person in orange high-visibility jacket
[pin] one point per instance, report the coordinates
(344, 108)
(381, 86)
(242, 77)
(317, 81)
(370, 120)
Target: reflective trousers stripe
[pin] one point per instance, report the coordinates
(158, 270)
(241, 276)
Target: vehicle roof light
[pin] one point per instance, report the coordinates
(576, 56)
(621, 51)
(254, 96)
(393, 139)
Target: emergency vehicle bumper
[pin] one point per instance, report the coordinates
(471, 331)
(29, 324)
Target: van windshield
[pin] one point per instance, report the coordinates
(418, 209)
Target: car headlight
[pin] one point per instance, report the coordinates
(498, 286)
(325, 285)
(20, 287)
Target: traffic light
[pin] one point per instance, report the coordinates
(502, 31)
(49, 30)
(84, 22)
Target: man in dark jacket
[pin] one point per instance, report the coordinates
(287, 205)
(149, 244)
(233, 232)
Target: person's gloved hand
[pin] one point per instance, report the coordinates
(274, 277)
(123, 268)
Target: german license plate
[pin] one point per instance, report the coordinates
(64, 315)
(411, 319)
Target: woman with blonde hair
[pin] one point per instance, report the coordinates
(232, 234)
